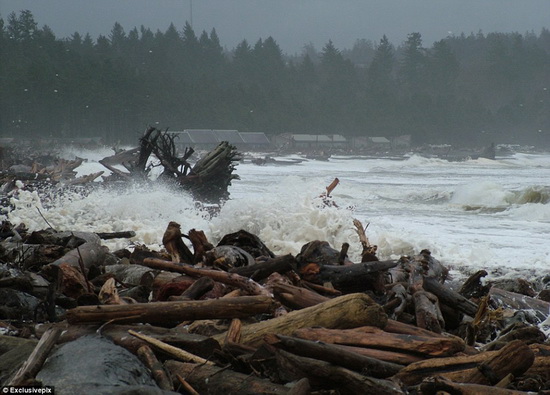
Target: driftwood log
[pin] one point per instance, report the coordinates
(486, 368)
(171, 313)
(541, 364)
(450, 297)
(203, 346)
(373, 337)
(170, 350)
(195, 290)
(207, 379)
(323, 374)
(296, 297)
(396, 357)
(359, 277)
(37, 358)
(441, 385)
(261, 270)
(89, 254)
(173, 242)
(335, 355)
(150, 360)
(249, 286)
(511, 300)
(428, 314)
(348, 311)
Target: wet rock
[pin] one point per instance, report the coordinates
(17, 305)
(318, 251)
(248, 242)
(94, 365)
(228, 257)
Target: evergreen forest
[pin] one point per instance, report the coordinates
(468, 89)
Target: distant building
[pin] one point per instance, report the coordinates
(401, 142)
(210, 138)
(256, 140)
(379, 142)
(371, 143)
(311, 141)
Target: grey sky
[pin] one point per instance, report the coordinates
(292, 23)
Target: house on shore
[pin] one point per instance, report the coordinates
(381, 144)
(209, 138)
(310, 142)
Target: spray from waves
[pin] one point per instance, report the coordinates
(92, 157)
(141, 208)
(89, 155)
(285, 222)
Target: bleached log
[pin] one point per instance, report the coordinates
(171, 350)
(348, 311)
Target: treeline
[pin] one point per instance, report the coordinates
(467, 89)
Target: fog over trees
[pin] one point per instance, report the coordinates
(466, 89)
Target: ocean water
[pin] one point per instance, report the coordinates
(471, 215)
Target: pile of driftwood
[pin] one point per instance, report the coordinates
(198, 318)
(207, 179)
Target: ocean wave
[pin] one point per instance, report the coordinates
(142, 208)
(285, 224)
(413, 161)
(471, 215)
(491, 197)
(435, 195)
(529, 160)
(285, 219)
(535, 194)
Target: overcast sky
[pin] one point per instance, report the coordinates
(292, 23)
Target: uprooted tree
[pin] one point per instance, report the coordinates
(207, 180)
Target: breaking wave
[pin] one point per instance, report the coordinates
(492, 197)
(471, 215)
(283, 221)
